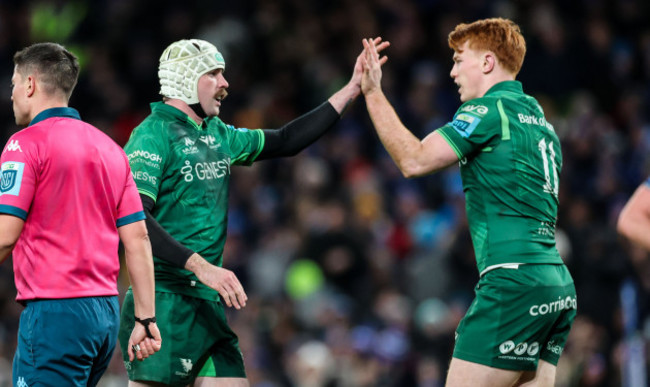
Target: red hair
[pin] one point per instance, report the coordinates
(501, 36)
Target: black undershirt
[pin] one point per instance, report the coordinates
(286, 141)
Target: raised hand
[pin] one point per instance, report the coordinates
(379, 46)
(371, 62)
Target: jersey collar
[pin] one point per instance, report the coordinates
(161, 107)
(56, 112)
(512, 86)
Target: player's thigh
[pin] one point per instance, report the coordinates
(543, 377)
(220, 382)
(463, 373)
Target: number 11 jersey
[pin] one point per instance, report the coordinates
(510, 162)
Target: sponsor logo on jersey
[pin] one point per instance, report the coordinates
(145, 155)
(480, 109)
(206, 170)
(465, 124)
(533, 120)
(554, 306)
(145, 177)
(190, 148)
(13, 146)
(11, 177)
(21, 382)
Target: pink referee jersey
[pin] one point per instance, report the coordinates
(72, 186)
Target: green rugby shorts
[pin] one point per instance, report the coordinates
(196, 341)
(518, 317)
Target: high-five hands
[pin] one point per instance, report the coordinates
(359, 66)
(372, 62)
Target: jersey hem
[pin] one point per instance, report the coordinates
(492, 363)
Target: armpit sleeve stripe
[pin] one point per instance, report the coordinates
(451, 143)
(123, 221)
(262, 140)
(505, 122)
(15, 211)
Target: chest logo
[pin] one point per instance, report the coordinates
(13, 146)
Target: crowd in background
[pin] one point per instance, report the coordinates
(357, 276)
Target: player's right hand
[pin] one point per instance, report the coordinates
(226, 283)
(139, 340)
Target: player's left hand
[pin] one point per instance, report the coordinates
(371, 63)
(360, 64)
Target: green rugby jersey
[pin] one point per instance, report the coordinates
(510, 162)
(185, 169)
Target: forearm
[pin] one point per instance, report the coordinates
(634, 220)
(299, 133)
(10, 229)
(164, 246)
(344, 97)
(196, 263)
(638, 234)
(400, 143)
(139, 264)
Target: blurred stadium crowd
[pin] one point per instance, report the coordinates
(355, 275)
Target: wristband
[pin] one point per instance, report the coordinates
(145, 323)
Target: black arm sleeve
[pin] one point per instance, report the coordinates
(163, 245)
(299, 133)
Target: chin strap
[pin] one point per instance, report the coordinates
(198, 110)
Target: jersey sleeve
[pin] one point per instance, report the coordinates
(476, 126)
(245, 144)
(130, 208)
(147, 152)
(19, 172)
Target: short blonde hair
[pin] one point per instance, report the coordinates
(501, 36)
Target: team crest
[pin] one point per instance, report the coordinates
(11, 177)
(8, 180)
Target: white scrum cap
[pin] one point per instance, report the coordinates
(182, 64)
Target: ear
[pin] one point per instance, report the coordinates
(31, 86)
(489, 61)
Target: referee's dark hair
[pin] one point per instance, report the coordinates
(56, 67)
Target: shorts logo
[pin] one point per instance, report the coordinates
(507, 346)
(187, 364)
(554, 348)
(554, 306)
(533, 349)
(520, 349)
(11, 177)
(187, 367)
